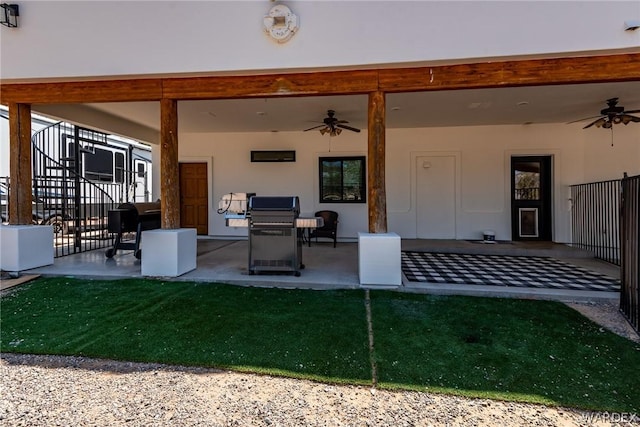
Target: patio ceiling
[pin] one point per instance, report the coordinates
(471, 107)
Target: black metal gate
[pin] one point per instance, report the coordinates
(595, 219)
(630, 240)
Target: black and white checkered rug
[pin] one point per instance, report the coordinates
(500, 270)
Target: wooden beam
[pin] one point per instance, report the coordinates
(272, 85)
(376, 164)
(20, 210)
(532, 72)
(535, 72)
(83, 91)
(169, 172)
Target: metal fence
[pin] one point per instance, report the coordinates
(630, 236)
(595, 219)
(75, 206)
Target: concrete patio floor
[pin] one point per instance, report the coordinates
(225, 261)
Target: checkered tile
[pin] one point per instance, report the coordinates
(500, 270)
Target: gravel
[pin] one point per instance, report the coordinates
(607, 315)
(75, 391)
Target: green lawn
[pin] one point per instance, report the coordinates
(533, 351)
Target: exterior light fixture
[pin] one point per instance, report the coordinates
(9, 15)
(632, 25)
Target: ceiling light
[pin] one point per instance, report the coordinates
(476, 105)
(395, 108)
(522, 103)
(261, 113)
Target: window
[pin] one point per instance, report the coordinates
(273, 156)
(342, 180)
(99, 165)
(119, 161)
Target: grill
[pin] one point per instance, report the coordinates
(275, 243)
(130, 218)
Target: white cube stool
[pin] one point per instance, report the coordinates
(168, 253)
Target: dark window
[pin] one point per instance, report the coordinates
(98, 166)
(119, 157)
(342, 180)
(141, 170)
(273, 156)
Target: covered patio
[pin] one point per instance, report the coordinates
(225, 261)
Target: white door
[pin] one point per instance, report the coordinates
(436, 197)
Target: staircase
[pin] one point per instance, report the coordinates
(63, 197)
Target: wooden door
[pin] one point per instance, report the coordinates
(194, 212)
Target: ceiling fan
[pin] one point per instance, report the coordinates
(612, 115)
(332, 125)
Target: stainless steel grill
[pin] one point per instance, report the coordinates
(275, 243)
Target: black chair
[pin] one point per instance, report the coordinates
(329, 229)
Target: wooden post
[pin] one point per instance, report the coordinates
(20, 164)
(169, 173)
(376, 164)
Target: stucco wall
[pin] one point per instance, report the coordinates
(96, 38)
(482, 155)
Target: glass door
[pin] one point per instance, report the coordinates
(531, 198)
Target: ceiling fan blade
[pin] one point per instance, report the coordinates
(315, 127)
(631, 112)
(626, 119)
(601, 121)
(583, 119)
(347, 127)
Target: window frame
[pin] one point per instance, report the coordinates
(342, 159)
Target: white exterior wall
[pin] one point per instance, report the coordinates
(482, 179)
(142, 37)
(122, 38)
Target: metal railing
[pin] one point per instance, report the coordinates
(595, 219)
(630, 236)
(76, 207)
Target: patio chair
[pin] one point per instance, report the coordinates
(329, 229)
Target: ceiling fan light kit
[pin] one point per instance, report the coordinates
(332, 125)
(612, 115)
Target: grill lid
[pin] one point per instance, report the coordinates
(141, 208)
(275, 203)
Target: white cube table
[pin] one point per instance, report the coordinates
(23, 247)
(379, 259)
(168, 253)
